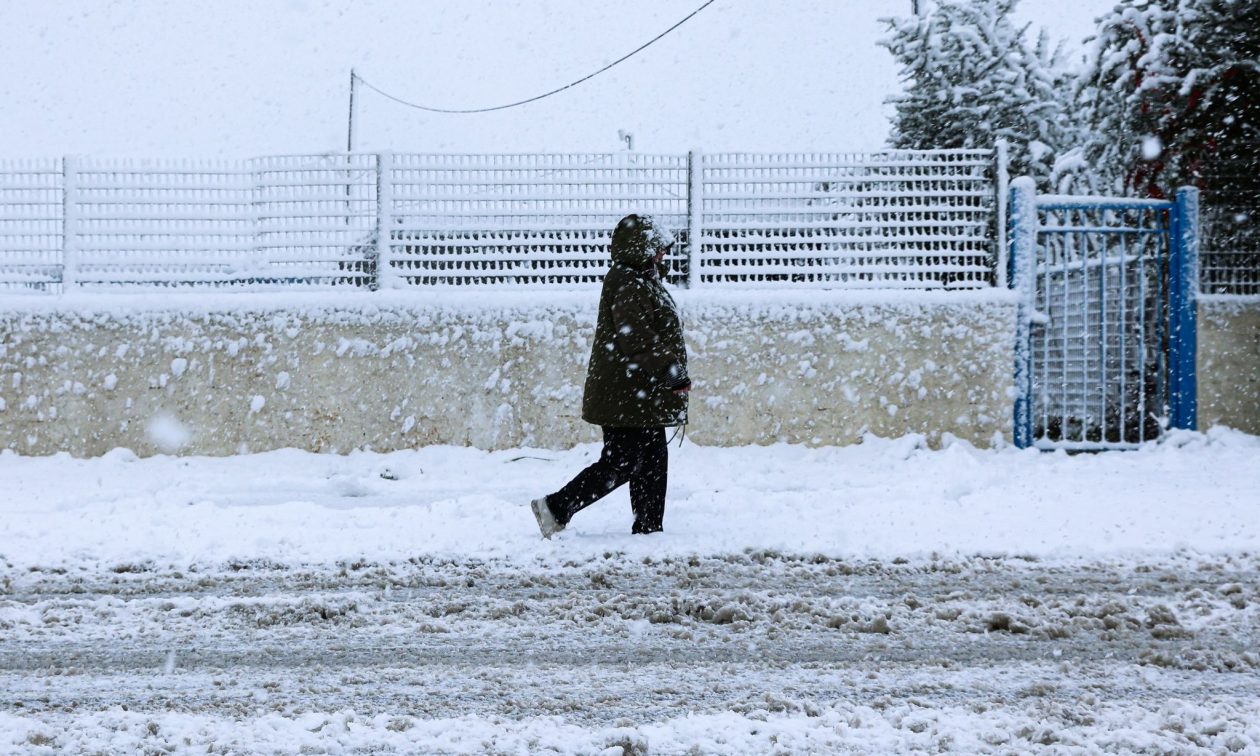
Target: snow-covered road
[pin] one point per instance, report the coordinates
(879, 598)
(738, 654)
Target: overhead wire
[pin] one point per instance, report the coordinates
(535, 98)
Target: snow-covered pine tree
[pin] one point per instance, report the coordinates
(1171, 95)
(971, 79)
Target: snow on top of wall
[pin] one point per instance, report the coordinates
(1234, 301)
(97, 306)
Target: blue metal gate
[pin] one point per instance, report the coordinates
(1105, 343)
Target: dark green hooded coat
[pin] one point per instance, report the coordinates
(638, 357)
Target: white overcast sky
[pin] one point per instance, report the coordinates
(238, 78)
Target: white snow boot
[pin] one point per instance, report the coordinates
(547, 524)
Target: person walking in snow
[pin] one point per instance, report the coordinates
(636, 384)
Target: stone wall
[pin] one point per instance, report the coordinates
(1229, 362)
(230, 373)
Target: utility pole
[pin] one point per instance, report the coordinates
(350, 129)
(350, 151)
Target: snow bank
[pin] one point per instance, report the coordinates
(879, 499)
(222, 374)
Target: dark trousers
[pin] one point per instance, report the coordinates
(638, 456)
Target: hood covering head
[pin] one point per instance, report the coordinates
(637, 239)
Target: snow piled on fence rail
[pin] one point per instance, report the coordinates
(882, 499)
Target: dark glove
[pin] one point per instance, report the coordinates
(677, 379)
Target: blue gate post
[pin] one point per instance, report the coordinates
(1022, 278)
(1183, 287)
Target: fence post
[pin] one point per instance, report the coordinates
(69, 223)
(384, 222)
(695, 207)
(1183, 286)
(1002, 177)
(1022, 277)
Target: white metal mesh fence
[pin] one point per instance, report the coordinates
(31, 195)
(894, 219)
(501, 220)
(136, 223)
(315, 219)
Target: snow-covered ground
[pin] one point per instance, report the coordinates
(879, 499)
(874, 598)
